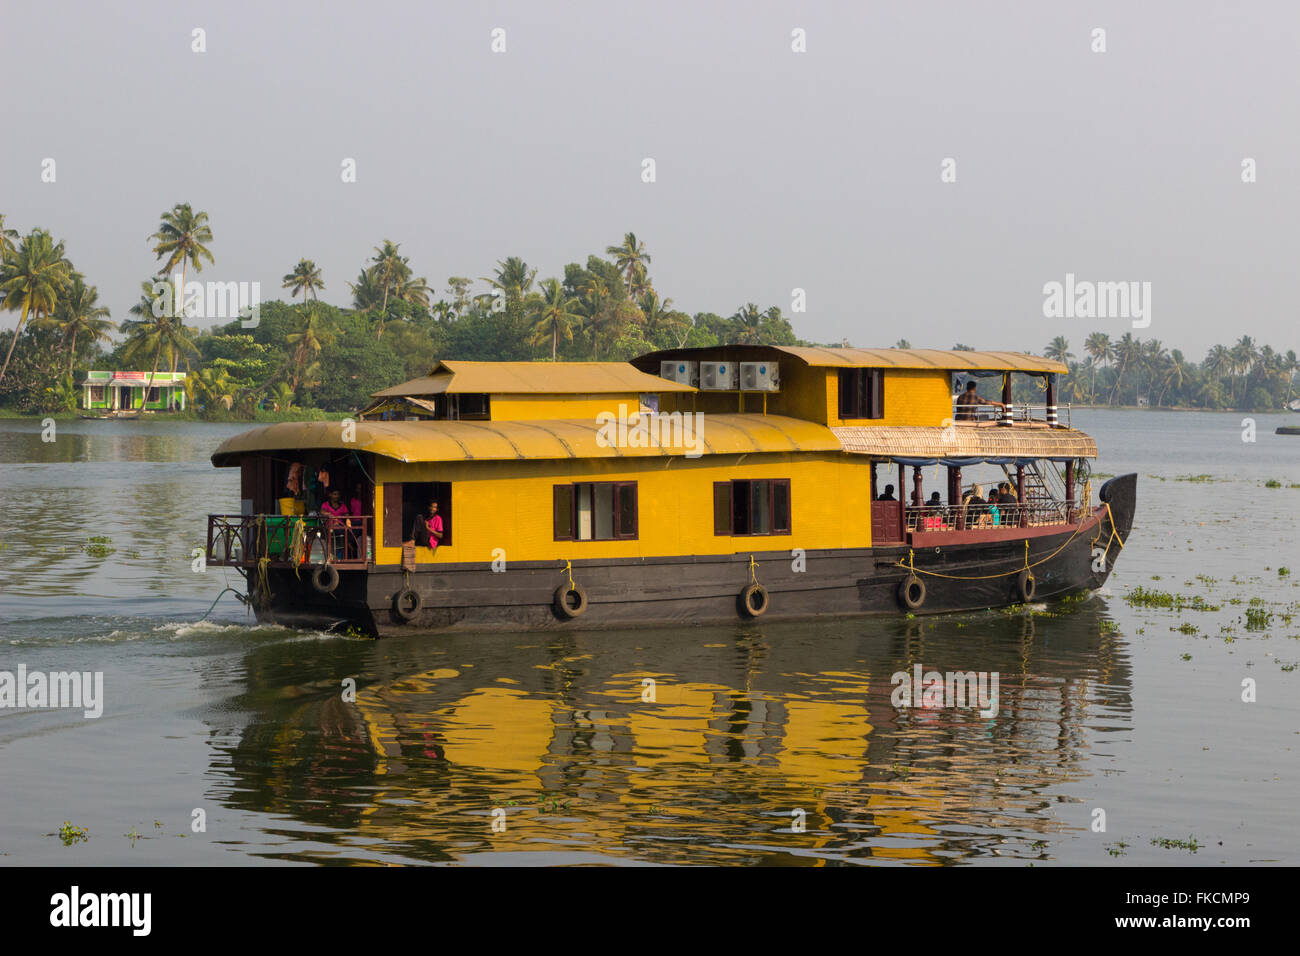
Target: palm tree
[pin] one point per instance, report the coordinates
(1153, 357)
(156, 333)
(1099, 348)
(31, 279)
(1177, 371)
(7, 237)
(366, 291)
(1128, 351)
(210, 386)
(412, 289)
(554, 314)
(661, 319)
(513, 279)
(181, 237)
(304, 278)
(749, 324)
(306, 344)
(1059, 350)
(389, 266)
(78, 312)
(1243, 356)
(1218, 362)
(592, 308)
(1290, 366)
(631, 260)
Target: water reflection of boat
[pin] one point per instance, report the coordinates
(743, 728)
(604, 495)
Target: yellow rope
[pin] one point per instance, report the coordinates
(1114, 534)
(753, 578)
(988, 577)
(568, 567)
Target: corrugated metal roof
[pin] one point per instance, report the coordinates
(966, 441)
(956, 360)
(537, 378)
(524, 440)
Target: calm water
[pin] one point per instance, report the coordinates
(1102, 705)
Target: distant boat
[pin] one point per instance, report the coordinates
(1293, 405)
(120, 414)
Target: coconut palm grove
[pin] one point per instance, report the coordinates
(306, 357)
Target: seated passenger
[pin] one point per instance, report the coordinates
(427, 532)
(335, 508)
(888, 495)
(977, 510)
(968, 401)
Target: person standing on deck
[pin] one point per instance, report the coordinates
(969, 400)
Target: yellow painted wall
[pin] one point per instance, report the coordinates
(533, 407)
(508, 504)
(912, 397)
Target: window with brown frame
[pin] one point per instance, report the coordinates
(402, 501)
(595, 511)
(754, 507)
(862, 393)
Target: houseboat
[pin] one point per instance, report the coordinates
(691, 486)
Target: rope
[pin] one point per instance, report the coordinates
(910, 566)
(1114, 534)
(568, 566)
(241, 597)
(753, 578)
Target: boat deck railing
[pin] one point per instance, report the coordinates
(287, 541)
(1014, 414)
(1030, 514)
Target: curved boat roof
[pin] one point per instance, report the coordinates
(543, 439)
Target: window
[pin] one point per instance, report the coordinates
(97, 393)
(751, 507)
(862, 393)
(153, 394)
(471, 406)
(595, 511)
(404, 500)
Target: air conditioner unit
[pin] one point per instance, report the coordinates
(759, 376)
(719, 376)
(681, 371)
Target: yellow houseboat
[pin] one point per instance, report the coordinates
(687, 486)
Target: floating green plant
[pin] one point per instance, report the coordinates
(1257, 618)
(1165, 843)
(71, 834)
(1272, 483)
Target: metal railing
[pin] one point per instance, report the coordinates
(1014, 414)
(241, 541)
(1029, 514)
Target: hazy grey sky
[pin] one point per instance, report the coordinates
(775, 169)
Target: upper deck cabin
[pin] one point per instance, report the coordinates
(858, 387)
(520, 391)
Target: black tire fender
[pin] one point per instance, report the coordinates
(407, 604)
(754, 600)
(570, 600)
(1026, 586)
(325, 578)
(911, 592)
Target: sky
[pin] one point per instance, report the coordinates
(774, 170)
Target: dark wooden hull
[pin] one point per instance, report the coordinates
(962, 573)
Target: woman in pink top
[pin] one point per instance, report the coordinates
(335, 508)
(427, 531)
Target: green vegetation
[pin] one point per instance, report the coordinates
(1257, 619)
(1167, 844)
(312, 356)
(1142, 597)
(70, 834)
(98, 546)
(1272, 483)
